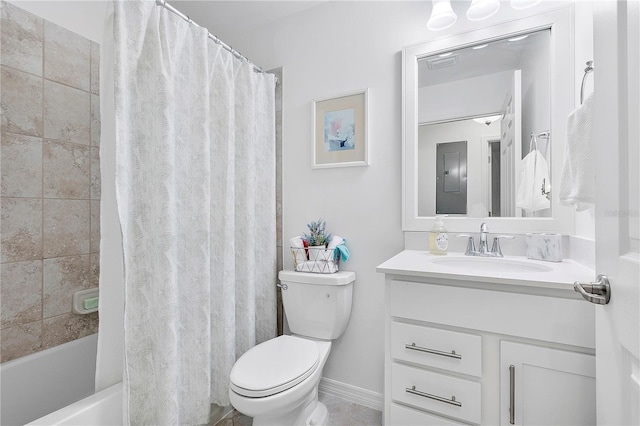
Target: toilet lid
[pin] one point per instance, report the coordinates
(274, 366)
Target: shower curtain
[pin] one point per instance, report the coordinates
(195, 188)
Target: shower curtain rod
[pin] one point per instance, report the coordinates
(215, 39)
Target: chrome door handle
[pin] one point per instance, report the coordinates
(598, 292)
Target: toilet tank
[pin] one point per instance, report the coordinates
(317, 305)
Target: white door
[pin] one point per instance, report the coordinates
(616, 130)
(510, 147)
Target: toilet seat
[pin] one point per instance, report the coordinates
(274, 366)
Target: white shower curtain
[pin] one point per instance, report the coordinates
(195, 187)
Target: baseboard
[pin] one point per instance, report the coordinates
(351, 393)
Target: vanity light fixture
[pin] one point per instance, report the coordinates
(480, 46)
(524, 4)
(482, 9)
(442, 16)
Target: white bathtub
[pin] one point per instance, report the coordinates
(40, 383)
(100, 409)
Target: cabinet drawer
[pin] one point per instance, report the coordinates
(403, 416)
(436, 392)
(435, 348)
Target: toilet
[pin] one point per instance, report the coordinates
(276, 382)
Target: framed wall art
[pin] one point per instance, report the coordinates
(340, 131)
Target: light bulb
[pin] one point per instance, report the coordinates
(442, 16)
(482, 9)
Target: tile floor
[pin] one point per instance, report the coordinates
(341, 413)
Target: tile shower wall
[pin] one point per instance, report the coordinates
(50, 195)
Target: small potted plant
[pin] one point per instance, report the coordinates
(317, 240)
(317, 236)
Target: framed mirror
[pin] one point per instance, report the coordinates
(484, 112)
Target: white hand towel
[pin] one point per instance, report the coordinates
(577, 182)
(298, 251)
(533, 183)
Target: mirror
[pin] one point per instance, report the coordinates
(490, 96)
(475, 106)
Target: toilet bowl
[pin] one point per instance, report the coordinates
(276, 382)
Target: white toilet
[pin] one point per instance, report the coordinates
(276, 382)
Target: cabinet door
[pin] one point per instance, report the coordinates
(544, 386)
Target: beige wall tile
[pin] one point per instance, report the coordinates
(21, 229)
(95, 226)
(21, 36)
(21, 284)
(67, 114)
(66, 227)
(95, 173)
(21, 340)
(95, 120)
(64, 107)
(67, 57)
(94, 273)
(95, 68)
(62, 276)
(66, 170)
(21, 100)
(67, 327)
(21, 166)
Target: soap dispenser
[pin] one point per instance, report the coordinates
(438, 238)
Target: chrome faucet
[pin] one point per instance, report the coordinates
(483, 250)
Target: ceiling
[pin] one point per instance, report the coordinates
(225, 18)
(497, 56)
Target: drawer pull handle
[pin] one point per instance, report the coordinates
(452, 401)
(451, 354)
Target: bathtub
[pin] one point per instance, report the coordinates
(103, 408)
(38, 384)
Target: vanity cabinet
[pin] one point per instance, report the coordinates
(465, 349)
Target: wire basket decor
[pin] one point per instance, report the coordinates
(319, 260)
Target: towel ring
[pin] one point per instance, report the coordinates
(587, 70)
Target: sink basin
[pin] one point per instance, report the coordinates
(489, 264)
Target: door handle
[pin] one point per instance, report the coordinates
(598, 292)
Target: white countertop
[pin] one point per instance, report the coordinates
(522, 271)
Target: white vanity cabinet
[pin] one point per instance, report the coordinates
(466, 348)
